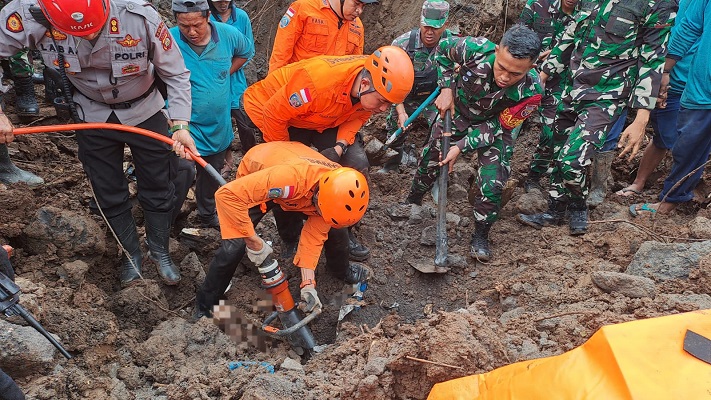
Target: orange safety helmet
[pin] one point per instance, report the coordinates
(392, 72)
(343, 196)
(76, 17)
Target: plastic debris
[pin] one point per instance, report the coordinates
(233, 365)
(355, 301)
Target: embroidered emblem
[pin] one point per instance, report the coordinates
(14, 23)
(129, 69)
(284, 21)
(57, 34)
(114, 26)
(129, 41)
(305, 95)
(56, 63)
(275, 193)
(295, 100)
(159, 30)
(167, 43)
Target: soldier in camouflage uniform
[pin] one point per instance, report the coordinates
(490, 90)
(615, 51)
(419, 44)
(548, 18)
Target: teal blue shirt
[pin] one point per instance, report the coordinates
(694, 29)
(210, 120)
(680, 72)
(240, 20)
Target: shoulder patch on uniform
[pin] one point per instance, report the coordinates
(284, 21)
(14, 23)
(295, 100)
(114, 26)
(286, 192)
(164, 37)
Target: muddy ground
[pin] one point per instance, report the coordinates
(535, 298)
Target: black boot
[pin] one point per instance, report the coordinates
(25, 99)
(357, 252)
(553, 216)
(124, 227)
(480, 241)
(158, 235)
(9, 173)
(578, 211)
(356, 273)
(414, 197)
(219, 275)
(532, 182)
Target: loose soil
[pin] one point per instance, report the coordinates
(534, 299)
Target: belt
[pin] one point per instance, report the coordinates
(127, 104)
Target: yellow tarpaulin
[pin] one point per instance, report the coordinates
(642, 359)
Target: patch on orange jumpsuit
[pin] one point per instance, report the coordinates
(281, 193)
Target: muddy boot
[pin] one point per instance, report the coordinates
(25, 100)
(219, 276)
(600, 175)
(158, 237)
(553, 216)
(532, 182)
(414, 197)
(480, 241)
(9, 173)
(392, 164)
(124, 227)
(578, 212)
(357, 252)
(356, 273)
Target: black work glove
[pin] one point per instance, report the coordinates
(5, 265)
(331, 154)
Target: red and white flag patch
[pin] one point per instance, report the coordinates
(290, 12)
(286, 192)
(305, 95)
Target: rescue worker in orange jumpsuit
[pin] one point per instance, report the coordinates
(311, 28)
(323, 102)
(298, 180)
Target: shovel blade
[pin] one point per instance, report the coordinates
(698, 346)
(428, 268)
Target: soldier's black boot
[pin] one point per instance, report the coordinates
(25, 99)
(415, 197)
(553, 216)
(578, 211)
(158, 235)
(480, 241)
(124, 227)
(356, 273)
(10, 173)
(357, 252)
(532, 182)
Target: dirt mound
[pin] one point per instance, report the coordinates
(536, 298)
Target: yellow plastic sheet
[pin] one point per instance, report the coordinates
(642, 359)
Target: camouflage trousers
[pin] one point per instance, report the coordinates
(494, 154)
(20, 65)
(582, 127)
(429, 114)
(543, 155)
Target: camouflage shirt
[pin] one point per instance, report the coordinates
(547, 19)
(615, 50)
(477, 98)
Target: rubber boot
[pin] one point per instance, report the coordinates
(158, 237)
(532, 182)
(355, 273)
(578, 212)
(392, 164)
(553, 216)
(219, 276)
(124, 227)
(480, 241)
(414, 197)
(357, 252)
(600, 176)
(10, 173)
(25, 99)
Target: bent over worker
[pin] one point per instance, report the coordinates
(111, 51)
(323, 102)
(298, 179)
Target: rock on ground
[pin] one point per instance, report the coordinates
(664, 261)
(628, 285)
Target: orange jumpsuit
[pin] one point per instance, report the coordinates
(311, 94)
(285, 173)
(309, 28)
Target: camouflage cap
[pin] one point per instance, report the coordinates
(434, 13)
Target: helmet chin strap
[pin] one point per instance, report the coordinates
(339, 13)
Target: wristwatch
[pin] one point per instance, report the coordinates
(343, 147)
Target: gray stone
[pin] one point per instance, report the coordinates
(688, 302)
(24, 351)
(375, 366)
(456, 260)
(700, 228)
(664, 261)
(629, 285)
(428, 236)
(65, 233)
(532, 202)
(399, 211)
(418, 214)
(73, 272)
(465, 222)
(457, 192)
(453, 218)
(291, 364)
(511, 314)
(509, 303)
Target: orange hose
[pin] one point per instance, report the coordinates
(104, 125)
